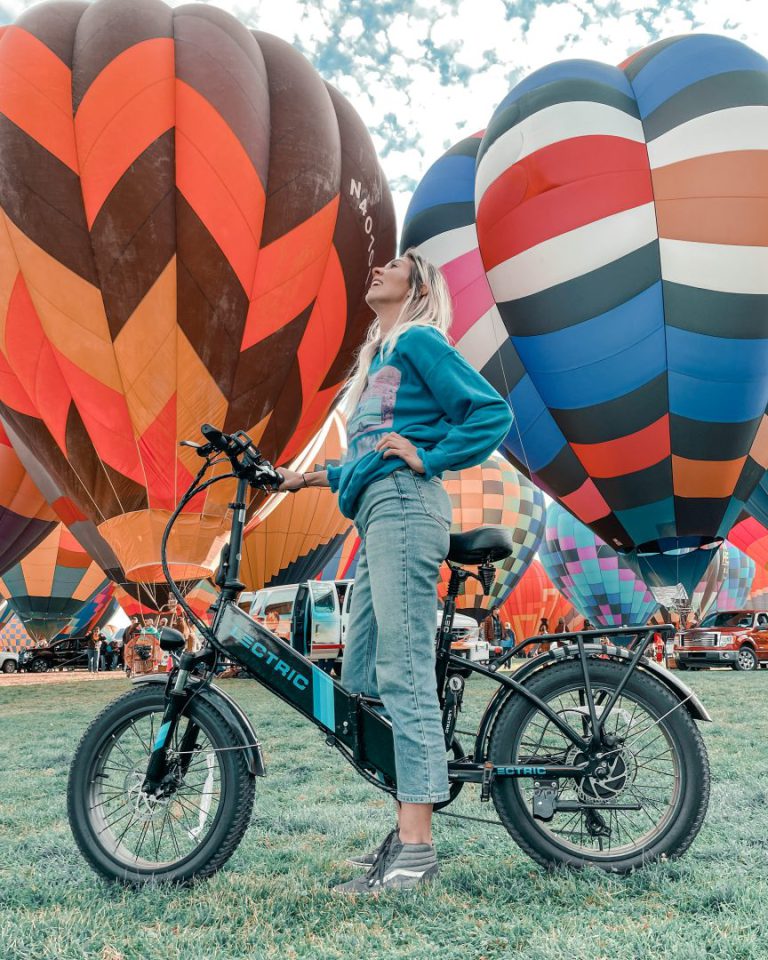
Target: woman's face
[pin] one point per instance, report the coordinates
(390, 284)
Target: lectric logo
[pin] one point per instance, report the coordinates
(521, 771)
(272, 660)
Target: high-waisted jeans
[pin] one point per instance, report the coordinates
(403, 522)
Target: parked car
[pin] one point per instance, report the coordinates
(733, 638)
(313, 617)
(69, 653)
(11, 660)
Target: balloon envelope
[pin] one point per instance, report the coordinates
(626, 265)
(51, 584)
(190, 219)
(494, 493)
(595, 578)
(25, 517)
(734, 590)
(533, 599)
(295, 534)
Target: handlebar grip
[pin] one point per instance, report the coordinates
(214, 436)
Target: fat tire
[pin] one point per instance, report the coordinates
(694, 794)
(236, 804)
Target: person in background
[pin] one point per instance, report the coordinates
(106, 652)
(272, 621)
(543, 628)
(117, 645)
(508, 640)
(93, 644)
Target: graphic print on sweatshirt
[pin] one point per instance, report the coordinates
(374, 412)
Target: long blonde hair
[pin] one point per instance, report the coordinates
(430, 309)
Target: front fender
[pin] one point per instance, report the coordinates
(232, 713)
(543, 661)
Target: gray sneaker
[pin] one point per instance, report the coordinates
(368, 859)
(397, 866)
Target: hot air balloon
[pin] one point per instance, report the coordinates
(51, 584)
(708, 587)
(494, 493)
(96, 612)
(534, 599)
(13, 634)
(601, 196)
(343, 564)
(293, 536)
(591, 575)
(190, 217)
(25, 517)
(758, 595)
(735, 588)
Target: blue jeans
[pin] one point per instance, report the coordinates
(93, 661)
(403, 522)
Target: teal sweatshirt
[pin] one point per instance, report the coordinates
(428, 393)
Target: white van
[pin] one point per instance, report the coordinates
(313, 617)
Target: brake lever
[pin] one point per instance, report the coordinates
(201, 449)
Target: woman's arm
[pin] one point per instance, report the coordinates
(481, 417)
(293, 481)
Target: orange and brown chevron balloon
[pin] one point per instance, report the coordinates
(189, 219)
(25, 517)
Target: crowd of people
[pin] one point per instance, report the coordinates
(136, 648)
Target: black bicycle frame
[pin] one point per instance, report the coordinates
(353, 722)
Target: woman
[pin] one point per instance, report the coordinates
(418, 409)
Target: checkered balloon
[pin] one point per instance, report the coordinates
(494, 493)
(591, 574)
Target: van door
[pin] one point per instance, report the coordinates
(325, 620)
(345, 613)
(301, 621)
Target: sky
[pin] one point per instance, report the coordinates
(422, 75)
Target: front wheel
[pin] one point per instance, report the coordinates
(655, 766)
(190, 831)
(746, 659)
(9, 666)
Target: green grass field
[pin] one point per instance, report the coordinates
(273, 899)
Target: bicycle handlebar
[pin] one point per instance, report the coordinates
(247, 462)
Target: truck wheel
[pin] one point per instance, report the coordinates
(746, 659)
(9, 666)
(39, 666)
(681, 665)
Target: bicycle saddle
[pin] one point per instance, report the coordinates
(483, 543)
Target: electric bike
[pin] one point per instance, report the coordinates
(590, 753)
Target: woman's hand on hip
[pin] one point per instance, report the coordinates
(393, 445)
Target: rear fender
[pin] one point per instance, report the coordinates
(232, 713)
(682, 691)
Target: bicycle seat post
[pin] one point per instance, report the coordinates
(443, 653)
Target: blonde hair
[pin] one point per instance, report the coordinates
(431, 309)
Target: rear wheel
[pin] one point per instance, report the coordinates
(656, 763)
(187, 833)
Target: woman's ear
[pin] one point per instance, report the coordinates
(423, 291)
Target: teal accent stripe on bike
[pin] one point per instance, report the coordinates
(162, 733)
(322, 698)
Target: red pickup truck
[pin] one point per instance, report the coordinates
(731, 638)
